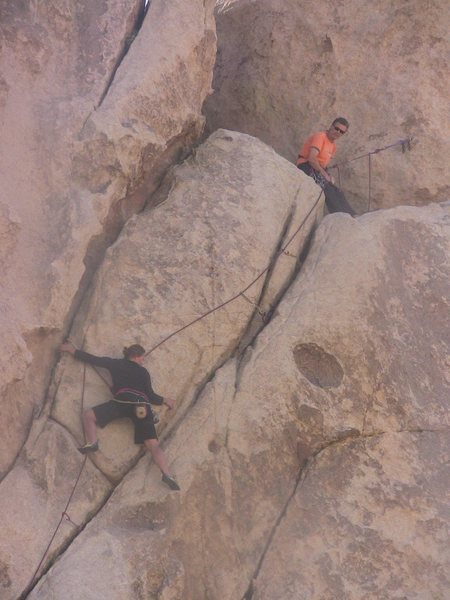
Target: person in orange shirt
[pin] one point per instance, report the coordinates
(314, 157)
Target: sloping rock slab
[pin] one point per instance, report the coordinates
(328, 368)
(229, 209)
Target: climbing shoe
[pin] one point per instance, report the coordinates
(88, 448)
(170, 481)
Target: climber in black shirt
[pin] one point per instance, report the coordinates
(132, 395)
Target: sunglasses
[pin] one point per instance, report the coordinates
(340, 130)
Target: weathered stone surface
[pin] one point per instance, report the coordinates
(228, 210)
(369, 520)
(285, 69)
(32, 498)
(340, 366)
(83, 147)
(218, 229)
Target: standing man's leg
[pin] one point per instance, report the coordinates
(336, 201)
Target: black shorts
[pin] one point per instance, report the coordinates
(144, 429)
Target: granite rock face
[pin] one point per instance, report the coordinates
(309, 460)
(286, 69)
(310, 433)
(94, 109)
(368, 520)
(219, 230)
(228, 210)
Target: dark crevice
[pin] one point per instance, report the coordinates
(126, 46)
(255, 328)
(258, 319)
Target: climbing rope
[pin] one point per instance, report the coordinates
(64, 515)
(282, 250)
(404, 143)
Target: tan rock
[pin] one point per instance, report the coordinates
(286, 69)
(340, 366)
(32, 498)
(368, 521)
(228, 210)
(83, 147)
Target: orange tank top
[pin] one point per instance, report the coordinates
(326, 148)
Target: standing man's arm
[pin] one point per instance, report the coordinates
(314, 162)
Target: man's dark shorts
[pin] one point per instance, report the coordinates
(144, 429)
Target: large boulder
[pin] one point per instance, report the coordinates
(286, 69)
(93, 111)
(328, 436)
(229, 209)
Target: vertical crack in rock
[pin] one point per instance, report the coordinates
(254, 328)
(126, 46)
(37, 413)
(303, 471)
(256, 316)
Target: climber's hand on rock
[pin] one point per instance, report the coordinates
(169, 403)
(67, 347)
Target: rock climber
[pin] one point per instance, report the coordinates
(132, 395)
(314, 158)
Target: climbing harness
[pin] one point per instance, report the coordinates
(142, 404)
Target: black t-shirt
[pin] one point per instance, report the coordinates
(124, 373)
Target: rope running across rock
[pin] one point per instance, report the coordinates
(405, 143)
(65, 515)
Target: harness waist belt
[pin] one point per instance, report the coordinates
(132, 395)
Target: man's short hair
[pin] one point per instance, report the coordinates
(342, 121)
